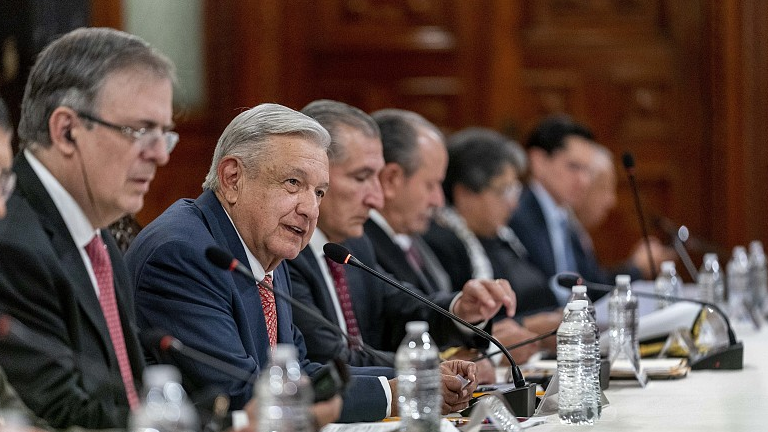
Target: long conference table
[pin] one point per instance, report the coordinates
(705, 400)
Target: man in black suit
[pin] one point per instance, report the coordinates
(359, 303)
(95, 125)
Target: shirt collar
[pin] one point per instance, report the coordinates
(256, 268)
(403, 240)
(77, 223)
(552, 212)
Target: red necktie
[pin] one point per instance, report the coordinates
(269, 308)
(102, 267)
(342, 292)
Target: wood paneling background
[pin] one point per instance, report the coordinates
(683, 85)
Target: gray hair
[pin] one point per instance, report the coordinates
(399, 136)
(247, 137)
(71, 71)
(332, 115)
(477, 155)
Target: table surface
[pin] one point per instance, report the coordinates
(705, 400)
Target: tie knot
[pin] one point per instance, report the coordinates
(267, 281)
(96, 249)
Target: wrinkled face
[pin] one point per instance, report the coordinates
(119, 171)
(355, 187)
(5, 161)
(566, 173)
(277, 206)
(485, 212)
(411, 201)
(600, 197)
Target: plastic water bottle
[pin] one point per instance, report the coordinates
(738, 284)
(578, 379)
(579, 292)
(420, 397)
(758, 275)
(711, 280)
(623, 321)
(164, 405)
(284, 394)
(667, 283)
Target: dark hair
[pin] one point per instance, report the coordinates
(550, 134)
(332, 114)
(71, 71)
(476, 156)
(399, 136)
(5, 117)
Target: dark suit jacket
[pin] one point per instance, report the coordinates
(392, 259)
(219, 312)
(527, 281)
(67, 373)
(376, 305)
(530, 226)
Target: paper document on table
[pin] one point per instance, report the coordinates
(385, 426)
(668, 368)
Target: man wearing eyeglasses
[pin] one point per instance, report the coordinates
(95, 124)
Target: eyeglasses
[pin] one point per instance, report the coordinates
(510, 192)
(144, 137)
(7, 183)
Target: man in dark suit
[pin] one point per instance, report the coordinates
(560, 152)
(365, 306)
(95, 125)
(260, 202)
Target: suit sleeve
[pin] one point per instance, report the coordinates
(324, 343)
(179, 292)
(48, 367)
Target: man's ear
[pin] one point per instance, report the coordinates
(392, 178)
(63, 128)
(231, 174)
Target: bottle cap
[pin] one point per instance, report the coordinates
(579, 289)
(756, 247)
(417, 327)
(623, 280)
(283, 353)
(159, 375)
(710, 256)
(577, 305)
(667, 266)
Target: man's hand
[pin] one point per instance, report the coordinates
(326, 411)
(509, 332)
(486, 371)
(544, 322)
(481, 299)
(457, 393)
(660, 253)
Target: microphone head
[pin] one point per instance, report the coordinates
(336, 252)
(219, 257)
(628, 160)
(568, 280)
(682, 233)
(157, 339)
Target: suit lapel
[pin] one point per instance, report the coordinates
(35, 193)
(392, 258)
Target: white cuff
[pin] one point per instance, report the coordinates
(463, 330)
(387, 393)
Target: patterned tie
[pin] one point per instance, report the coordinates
(102, 267)
(269, 308)
(342, 292)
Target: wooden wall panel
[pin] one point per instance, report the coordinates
(680, 83)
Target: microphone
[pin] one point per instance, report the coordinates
(156, 339)
(518, 344)
(629, 166)
(682, 252)
(522, 398)
(341, 255)
(730, 358)
(224, 260)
